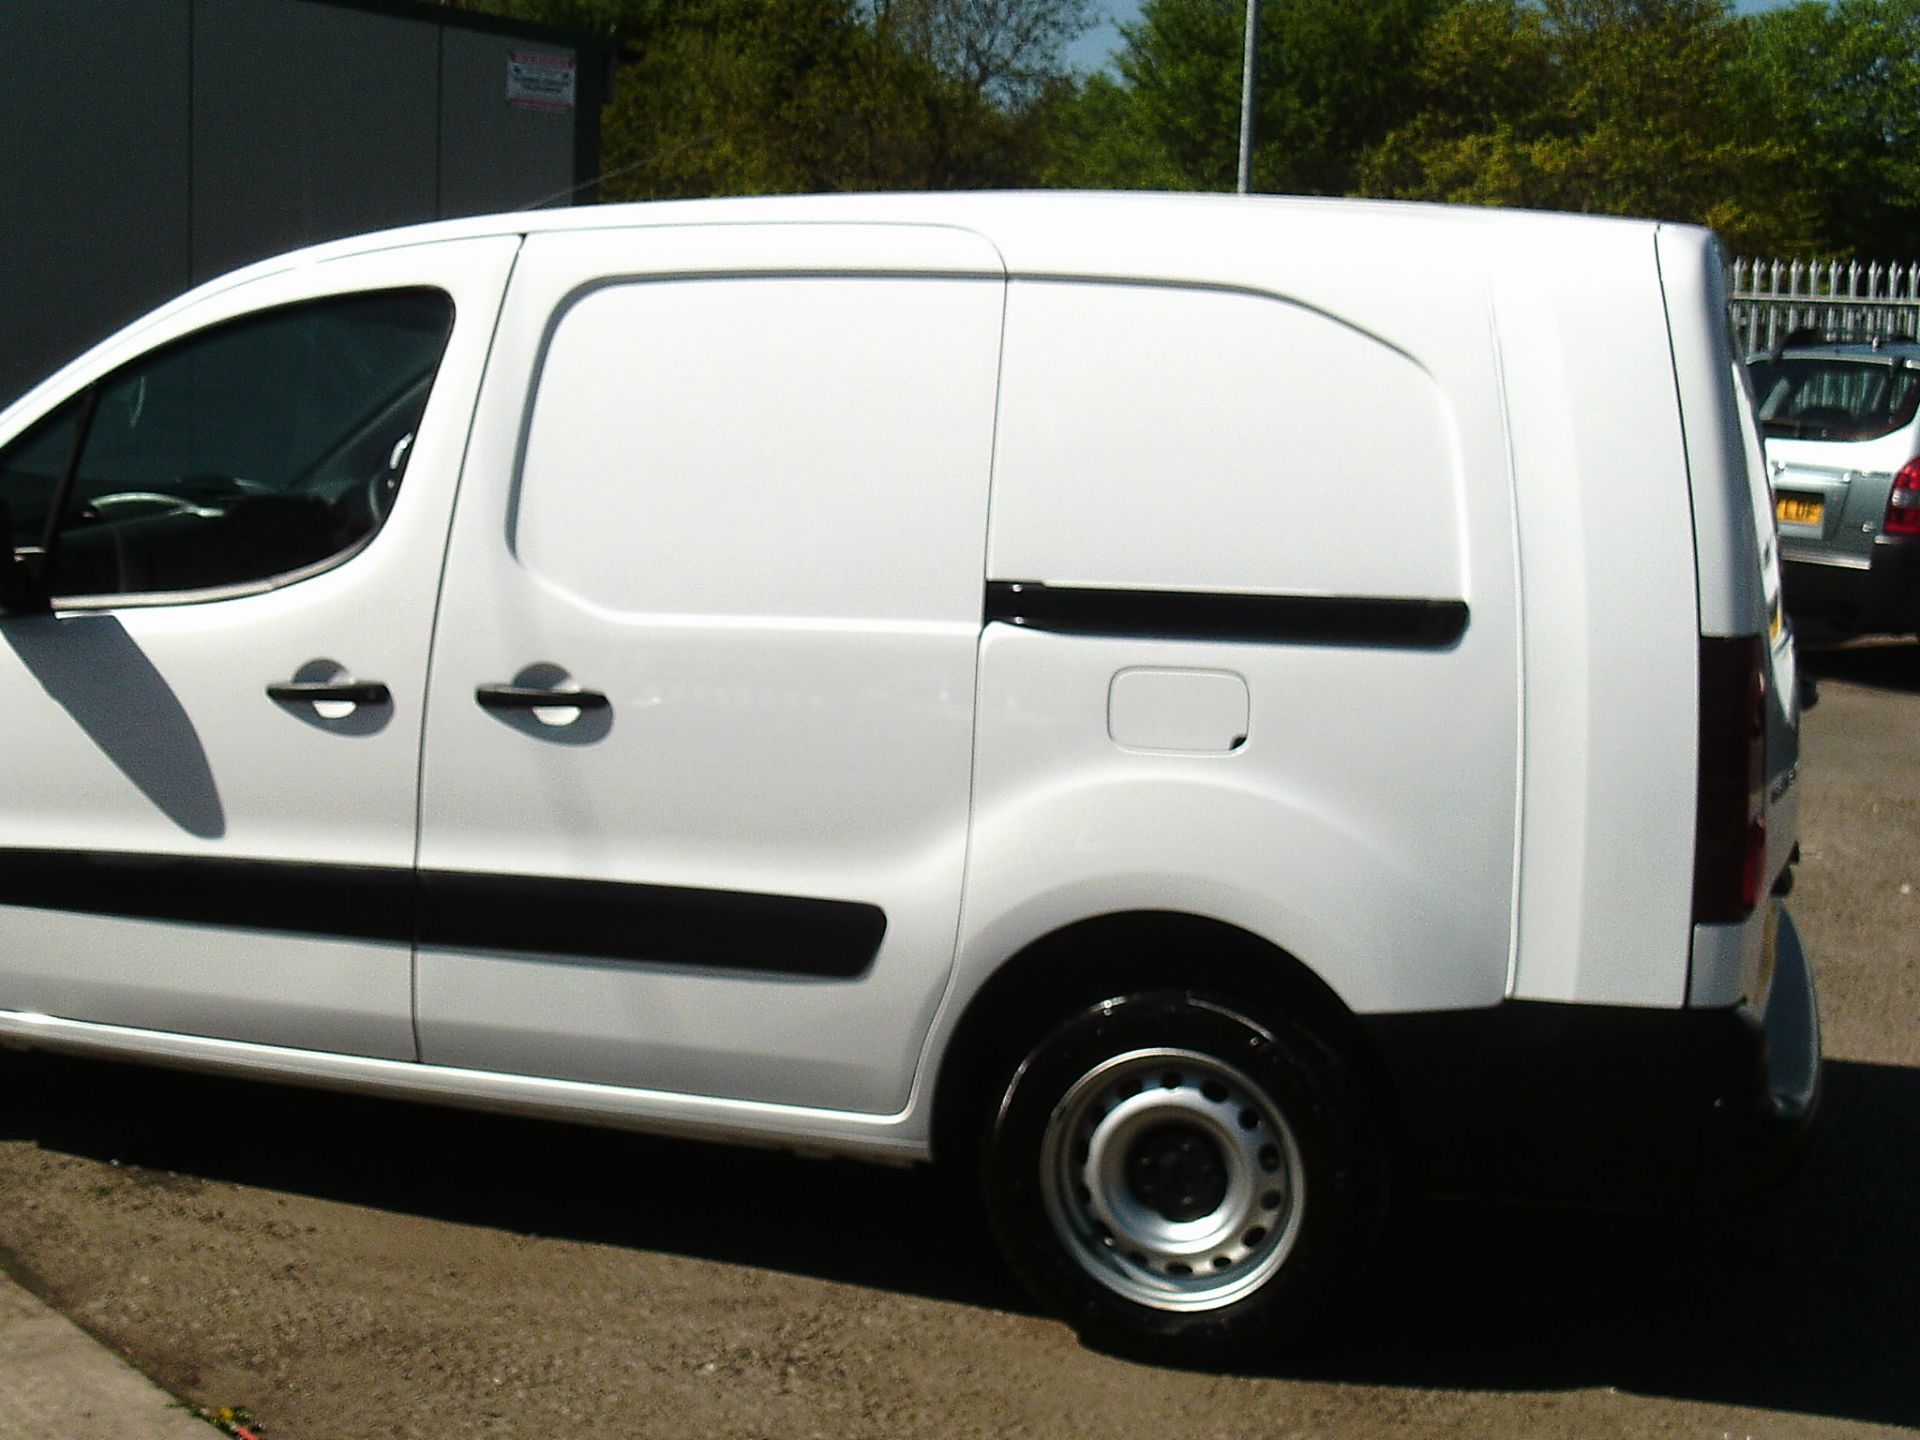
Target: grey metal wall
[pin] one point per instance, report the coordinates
(93, 169)
(494, 156)
(151, 145)
(307, 121)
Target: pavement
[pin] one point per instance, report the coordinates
(56, 1380)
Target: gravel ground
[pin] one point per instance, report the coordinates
(348, 1268)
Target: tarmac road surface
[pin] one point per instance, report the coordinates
(347, 1268)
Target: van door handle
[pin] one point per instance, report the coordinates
(532, 697)
(352, 692)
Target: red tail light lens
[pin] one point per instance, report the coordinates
(1753, 872)
(1730, 836)
(1903, 505)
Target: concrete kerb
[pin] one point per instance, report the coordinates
(55, 1379)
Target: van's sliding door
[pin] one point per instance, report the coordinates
(700, 718)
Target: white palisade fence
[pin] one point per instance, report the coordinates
(1842, 299)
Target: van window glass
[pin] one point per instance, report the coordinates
(30, 469)
(1834, 398)
(251, 451)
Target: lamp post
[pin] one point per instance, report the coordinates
(1249, 63)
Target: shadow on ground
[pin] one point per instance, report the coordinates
(1881, 663)
(749, 1207)
(1802, 1301)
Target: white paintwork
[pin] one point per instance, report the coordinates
(147, 729)
(1611, 639)
(1734, 598)
(798, 429)
(1737, 548)
(750, 503)
(1338, 831)
(1225, 439)
(1198, 712)
(1216, 439)
(751, 510)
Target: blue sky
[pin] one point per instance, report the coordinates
(1091, 50)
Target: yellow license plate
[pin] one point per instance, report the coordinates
(1799, 509)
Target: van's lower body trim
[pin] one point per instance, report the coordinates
(600, 919)
(889, 1138)
(1369, 620)
(1611, 1105)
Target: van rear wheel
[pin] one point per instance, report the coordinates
(1184, 1180)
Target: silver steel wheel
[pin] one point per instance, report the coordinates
(1172, 1179)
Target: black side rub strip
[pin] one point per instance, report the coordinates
(1207, 615)
(365, 902)
(639, 924)
(652, 924)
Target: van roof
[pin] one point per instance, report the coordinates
(1024, 223)
(1195, 238)
(1202, 239)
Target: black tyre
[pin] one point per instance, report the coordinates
(1185, 1181)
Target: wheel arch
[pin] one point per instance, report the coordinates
(1101, 957)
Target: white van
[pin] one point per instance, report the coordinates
(1206, 713)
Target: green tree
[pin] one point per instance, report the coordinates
(1841, 86)
(1092, 138)
(718, 97)
(1009, 51)
(1626, 107)
(1333, 80)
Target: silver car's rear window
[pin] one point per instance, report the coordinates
(1831, 397)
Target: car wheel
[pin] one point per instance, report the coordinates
(1184, 1180)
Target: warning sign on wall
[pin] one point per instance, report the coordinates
(539, 82)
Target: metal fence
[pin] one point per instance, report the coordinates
(1840, 299)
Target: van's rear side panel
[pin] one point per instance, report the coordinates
(1289, 468)
(1598, 1079)
(1610, 638)
(1484, 846)
(1737, 553)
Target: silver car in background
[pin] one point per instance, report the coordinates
(1841, 423)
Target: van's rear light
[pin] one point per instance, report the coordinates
(1730, 835)
(1903, 505)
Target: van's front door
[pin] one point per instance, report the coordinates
(207, 809)
(700, 724)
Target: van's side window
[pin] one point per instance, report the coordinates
(30, 470)
(253, 451)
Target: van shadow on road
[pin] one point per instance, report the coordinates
(1882, 664)
(1801, 1302)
